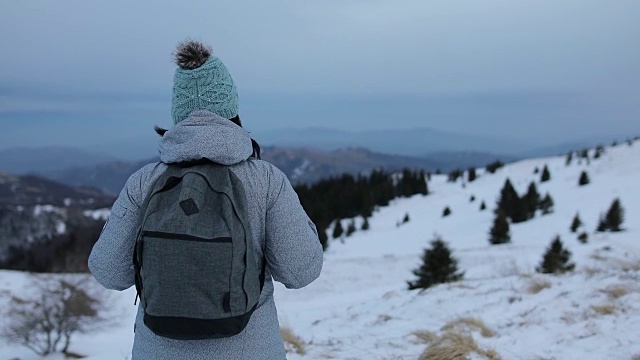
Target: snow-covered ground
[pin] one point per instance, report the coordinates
(360, 307)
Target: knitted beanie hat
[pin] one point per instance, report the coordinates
(201, 82)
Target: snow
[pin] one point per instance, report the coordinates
(100, 214)
(360, 307)
(39, 209)
(61, 227)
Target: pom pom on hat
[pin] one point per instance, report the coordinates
(201, 82)
(191, 54)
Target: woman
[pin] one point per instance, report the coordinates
(207, 127)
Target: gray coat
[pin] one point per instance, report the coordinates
(279, 224)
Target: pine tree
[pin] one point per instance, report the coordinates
(494, 166)
(599, 152)
(483, 206)
(472, 198)
(583, 237)
(509, 200)
(615, 216)
(322, 236)
(536, 171)
(556, 259)
(546, 205)
(499, 233)
(569, 158)
(546, 175)
(365, 224)
(438, 266)
(406, 218)
(585, 154)
(351, 228)
(337, 229)
(530, 201)
(472, 176)
(446, 212)
(584, 179)
(454, 175)
(576, 223)
(602, 224)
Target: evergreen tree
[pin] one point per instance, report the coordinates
(569, 158)
(365, 224)
(454, 175)
(584, 179)
(423, 187)
(584, 153)
(472, 198)
(615, 216)
(546, 175)
(472, 176)
(446, 212)
(530, 201)
(337, 229)
(583, 237)
(536, 171)
(576, 223)
(406, 218)
(483, 206)
(599, 152)
(438, 266)
(546, 205)
(499, 233)
(322, 236)
(509, 199)
(556, 259)
(351, 228)
(494, 166)
(602, 224)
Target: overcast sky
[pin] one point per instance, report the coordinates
(81, 72)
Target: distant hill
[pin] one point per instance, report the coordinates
(409, 142)
(41, 160)
(30, 190)
(301, 165)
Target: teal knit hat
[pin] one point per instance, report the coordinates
(202, 82)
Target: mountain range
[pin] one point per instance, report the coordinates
(301, 165)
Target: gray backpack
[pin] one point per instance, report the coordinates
(196, 272)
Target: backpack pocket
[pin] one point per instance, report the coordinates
(186, 276)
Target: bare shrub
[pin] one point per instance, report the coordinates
(591, 271)
(456, 346)
(468, 323)
(537, 284)
(55, 309)
(604, 309)
(292, 342)
(628, 266)
(425, 336)
(615, 291)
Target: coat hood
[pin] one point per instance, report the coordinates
(205, 135)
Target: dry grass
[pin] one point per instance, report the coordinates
(292, 342)
(425, 337)
(615, 291)
(537, 284)
(604, 309)
(633, 265)
(591, 271)
(456, 346)
(468, 323)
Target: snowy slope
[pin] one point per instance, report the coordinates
(360, 307)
